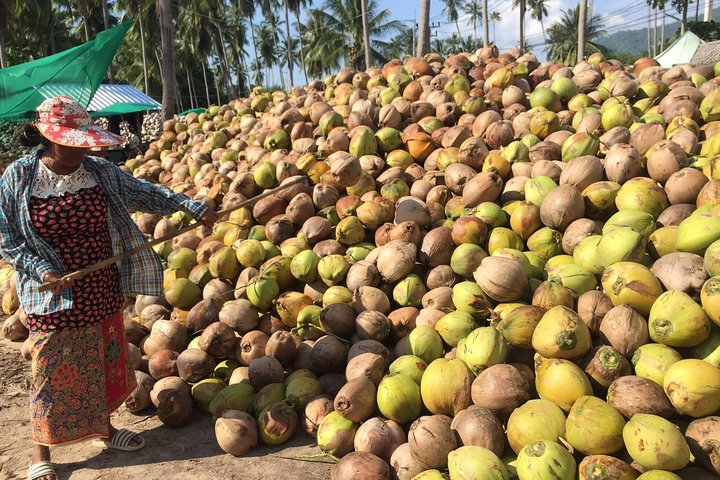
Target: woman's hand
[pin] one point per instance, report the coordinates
(210, 216)
(59, 282)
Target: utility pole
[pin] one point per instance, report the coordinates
(423, 43)
(486, 27)
(655, 36)
(167, 37)
(366, 34)
(662, 40)
(413, 48)
(581, 31)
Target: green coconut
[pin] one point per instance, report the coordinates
(655, 443)
(398, 398)
(545, 459)
(482, 348)
(472, 462)
(594, 427)
(445, 386)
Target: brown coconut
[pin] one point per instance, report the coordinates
(500, 389)
(624, 329)
(683, 186)
(194, 365)
(315, 411)
(360, 466)
(502, 279)
(480, 427)
(203, 314)
(163, 363)
(622, 162)
(632, 394)
(356, 400)
(431, 439)
(218, 340)
(328, 355)
(367, 365)
(251, 346)
(592, 307)
(681, 271)
(703, 436)
(264, 371)
(582, 171)
(380, 437)
(404, 465)
(139, 398)
(562, 206)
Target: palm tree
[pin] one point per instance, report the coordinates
(272, 30)
(451, 12)
(494, 17)
(474, 10)
(247, 8)
(140, 10)
(522, 4)
(288, 41)
(423, 43)
(167, 31)
(343, 34)
(296, 5)
(538, 11)
(563, 37)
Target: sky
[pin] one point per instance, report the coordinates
(617, 15)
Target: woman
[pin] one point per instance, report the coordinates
(62, 210)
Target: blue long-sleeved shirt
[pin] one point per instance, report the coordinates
(33, 258)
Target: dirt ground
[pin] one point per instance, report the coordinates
(171, 454)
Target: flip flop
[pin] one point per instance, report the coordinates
(41, 469)
(122, 441)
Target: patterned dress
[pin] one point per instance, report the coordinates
(79, 363)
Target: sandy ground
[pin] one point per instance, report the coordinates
(171, 454)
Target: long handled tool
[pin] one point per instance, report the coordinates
(109, 261)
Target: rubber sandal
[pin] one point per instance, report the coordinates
(122, 441)
(41, 469)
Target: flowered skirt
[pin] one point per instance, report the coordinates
(79, 377)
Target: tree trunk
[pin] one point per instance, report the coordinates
(85, 27)
(190, 92)
(257, 62)
(167, 36)
(3, 53)
(486, 26)
(289, 43)
(194, 92)
(222, 55)
(366, 35)
(581, 31)
(655, 35)
(423, 45)
(542, 26)
(144, 55)
(683, 23)
(649, 31)
(522, 26)
(302, 43)
(106, 24)
(697, 10)
(217, 88)
(207, 89)
(662, 44)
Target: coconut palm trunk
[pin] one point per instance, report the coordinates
(167, 36)
(106, 25)
(366, 34)
(522, 25)
(423, 45)
(485, 21)
(289, 50)
(302, 42)
(190, 90)
(582, 22)
(252, 34)
(144, 54)
(3, 53)
(683, 23)
(207, 88)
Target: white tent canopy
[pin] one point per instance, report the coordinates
(681, 51)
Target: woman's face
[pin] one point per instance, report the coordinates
(69, 154)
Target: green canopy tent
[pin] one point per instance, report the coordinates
(123, 108)
(23, 87)
(193, 110)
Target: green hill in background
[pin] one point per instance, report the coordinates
(635, 41)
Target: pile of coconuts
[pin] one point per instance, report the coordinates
(495, 268)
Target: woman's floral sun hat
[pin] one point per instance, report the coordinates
(65, 122)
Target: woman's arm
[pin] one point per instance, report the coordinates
(147, 197)
(13, 246)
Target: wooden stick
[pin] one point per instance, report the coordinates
(140, 248)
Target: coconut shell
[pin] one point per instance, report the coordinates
(264, 371)
(592, 307)
(562, 206)
(484, 187)
(404, 465)
(624, 329)
(139, 398)
(681, 271)
(329, 355)
(218, 340)
(194, 365)
(582, 171)
(702, 436)
(502, 279)
(396, 260)
(684, 186)
(367, 365)
(437, 247)
(500, 389)
(380, 437)
(480, 427)
(431, 439)
(630, 395)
